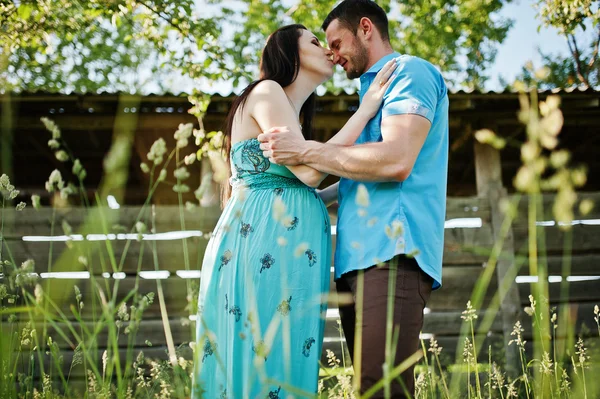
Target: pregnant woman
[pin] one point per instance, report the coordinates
(265, 274)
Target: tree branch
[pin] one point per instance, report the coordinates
(168, 21)
(577, 56)
(594, 56)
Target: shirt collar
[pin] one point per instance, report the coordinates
(379, 64)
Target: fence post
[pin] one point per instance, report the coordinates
(488, 172)
(6, 136)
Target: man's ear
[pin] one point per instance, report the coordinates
(365, 27)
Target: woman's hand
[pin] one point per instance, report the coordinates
(374, 96)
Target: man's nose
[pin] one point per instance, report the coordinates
(336, 58)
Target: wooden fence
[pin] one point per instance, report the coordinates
(470, 234)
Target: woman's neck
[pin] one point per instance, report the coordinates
(299, 91)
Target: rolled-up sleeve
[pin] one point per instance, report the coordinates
(415, 90)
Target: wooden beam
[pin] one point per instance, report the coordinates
(488, 173)
(6, 136)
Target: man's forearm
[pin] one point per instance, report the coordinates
(364, 162)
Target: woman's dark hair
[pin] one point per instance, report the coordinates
(280, 62)
(350, 12)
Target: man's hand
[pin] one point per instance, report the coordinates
(282, 146)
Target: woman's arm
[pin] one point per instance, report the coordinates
(368, 108)
(269, 106)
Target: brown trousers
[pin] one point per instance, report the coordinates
(413, 288)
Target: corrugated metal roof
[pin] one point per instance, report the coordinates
(569, 90)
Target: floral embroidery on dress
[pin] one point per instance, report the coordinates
(225, 258)
(238, 171)
(284, 307)
(252, 155)
(237, 312)
(307, 345)
(209, 349)
(292, 224)
(274, 394)
(246, 229)
(267, 261)
(278, 191)
(223, 394)
(234, 310)
(312, 257)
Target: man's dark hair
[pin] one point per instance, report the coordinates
(349, 13)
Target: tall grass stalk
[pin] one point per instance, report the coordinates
(560, 354)
(490, 372)
(428, 370)
(436, 350)
(186, 258)
(476, 363)
(539, 289)
(357, 360)
(394, 373)
(390, 355)
(481, 287)
(48, 282)
(161, 299)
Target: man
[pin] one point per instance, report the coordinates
(394, 229)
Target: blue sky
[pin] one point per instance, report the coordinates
(522, 42)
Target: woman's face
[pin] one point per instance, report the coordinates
(314, 58)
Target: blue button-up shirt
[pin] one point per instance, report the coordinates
(401, 217)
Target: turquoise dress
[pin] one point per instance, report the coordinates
(263, 289)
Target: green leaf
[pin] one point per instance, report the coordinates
(24, 11)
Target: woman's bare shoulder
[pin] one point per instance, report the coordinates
(267, 91)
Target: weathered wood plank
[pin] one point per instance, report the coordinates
(580, 265)
(449, 323)
(467, 207)
(170, 254)
(62, 292)
(33, 222)
(548, 202)
(458, 283)
(450, 345)
(585, 238)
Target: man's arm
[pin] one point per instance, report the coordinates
(389, 160)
